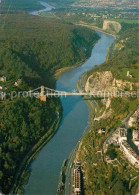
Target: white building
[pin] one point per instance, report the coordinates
(17, 83)
(129, 153)
(128, 74)
(123, 132)
(136, 143)
(3, 79)
(1, 87)
(132, 121)
(135, 135)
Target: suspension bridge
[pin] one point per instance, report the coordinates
(43, 92)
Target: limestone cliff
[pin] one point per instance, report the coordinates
(104, 81)
(111, 26)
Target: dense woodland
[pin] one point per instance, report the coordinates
(32, 49)
(32, 46)
(22, 123)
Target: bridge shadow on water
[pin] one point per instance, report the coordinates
(69, 103)
(94, 98)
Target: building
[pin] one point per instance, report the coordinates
(122, 135)
(2, 96)
(135, 135)
(1, 87)
(123, 132)
(3, 79)
(136, 143)
(129, 153)
(100, 131)
(43, 99)
(132, 121)
(77, 178)
(128, 74)
(17, 83)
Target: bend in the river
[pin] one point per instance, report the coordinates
(46, 9)
(46, 167)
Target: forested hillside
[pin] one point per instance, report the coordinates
(32, 49)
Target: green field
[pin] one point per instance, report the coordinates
(133, 72)
(127, 21)
(48, 14)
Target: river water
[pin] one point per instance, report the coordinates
(45, 169)
(46, 9)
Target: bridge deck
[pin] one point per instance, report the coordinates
(77, 94)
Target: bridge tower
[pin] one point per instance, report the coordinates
(42, 91)
(42, 94)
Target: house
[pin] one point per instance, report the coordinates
(17, 83)
(100, 131)
(3, 79)
(132, 121)
(2, 96)
(123, 132)
(135, 135)
(1, 87)
(122, 135)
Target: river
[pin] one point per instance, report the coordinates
(45, 169)
(46, 9)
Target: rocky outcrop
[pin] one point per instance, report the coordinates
(104, 81)
(111, 26)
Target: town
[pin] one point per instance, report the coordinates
(127, 137)
(107, 4)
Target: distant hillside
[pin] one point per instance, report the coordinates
(96, 2)
(26, 5)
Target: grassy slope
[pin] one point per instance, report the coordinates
(127, 21)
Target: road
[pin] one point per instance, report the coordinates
(96, 28)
